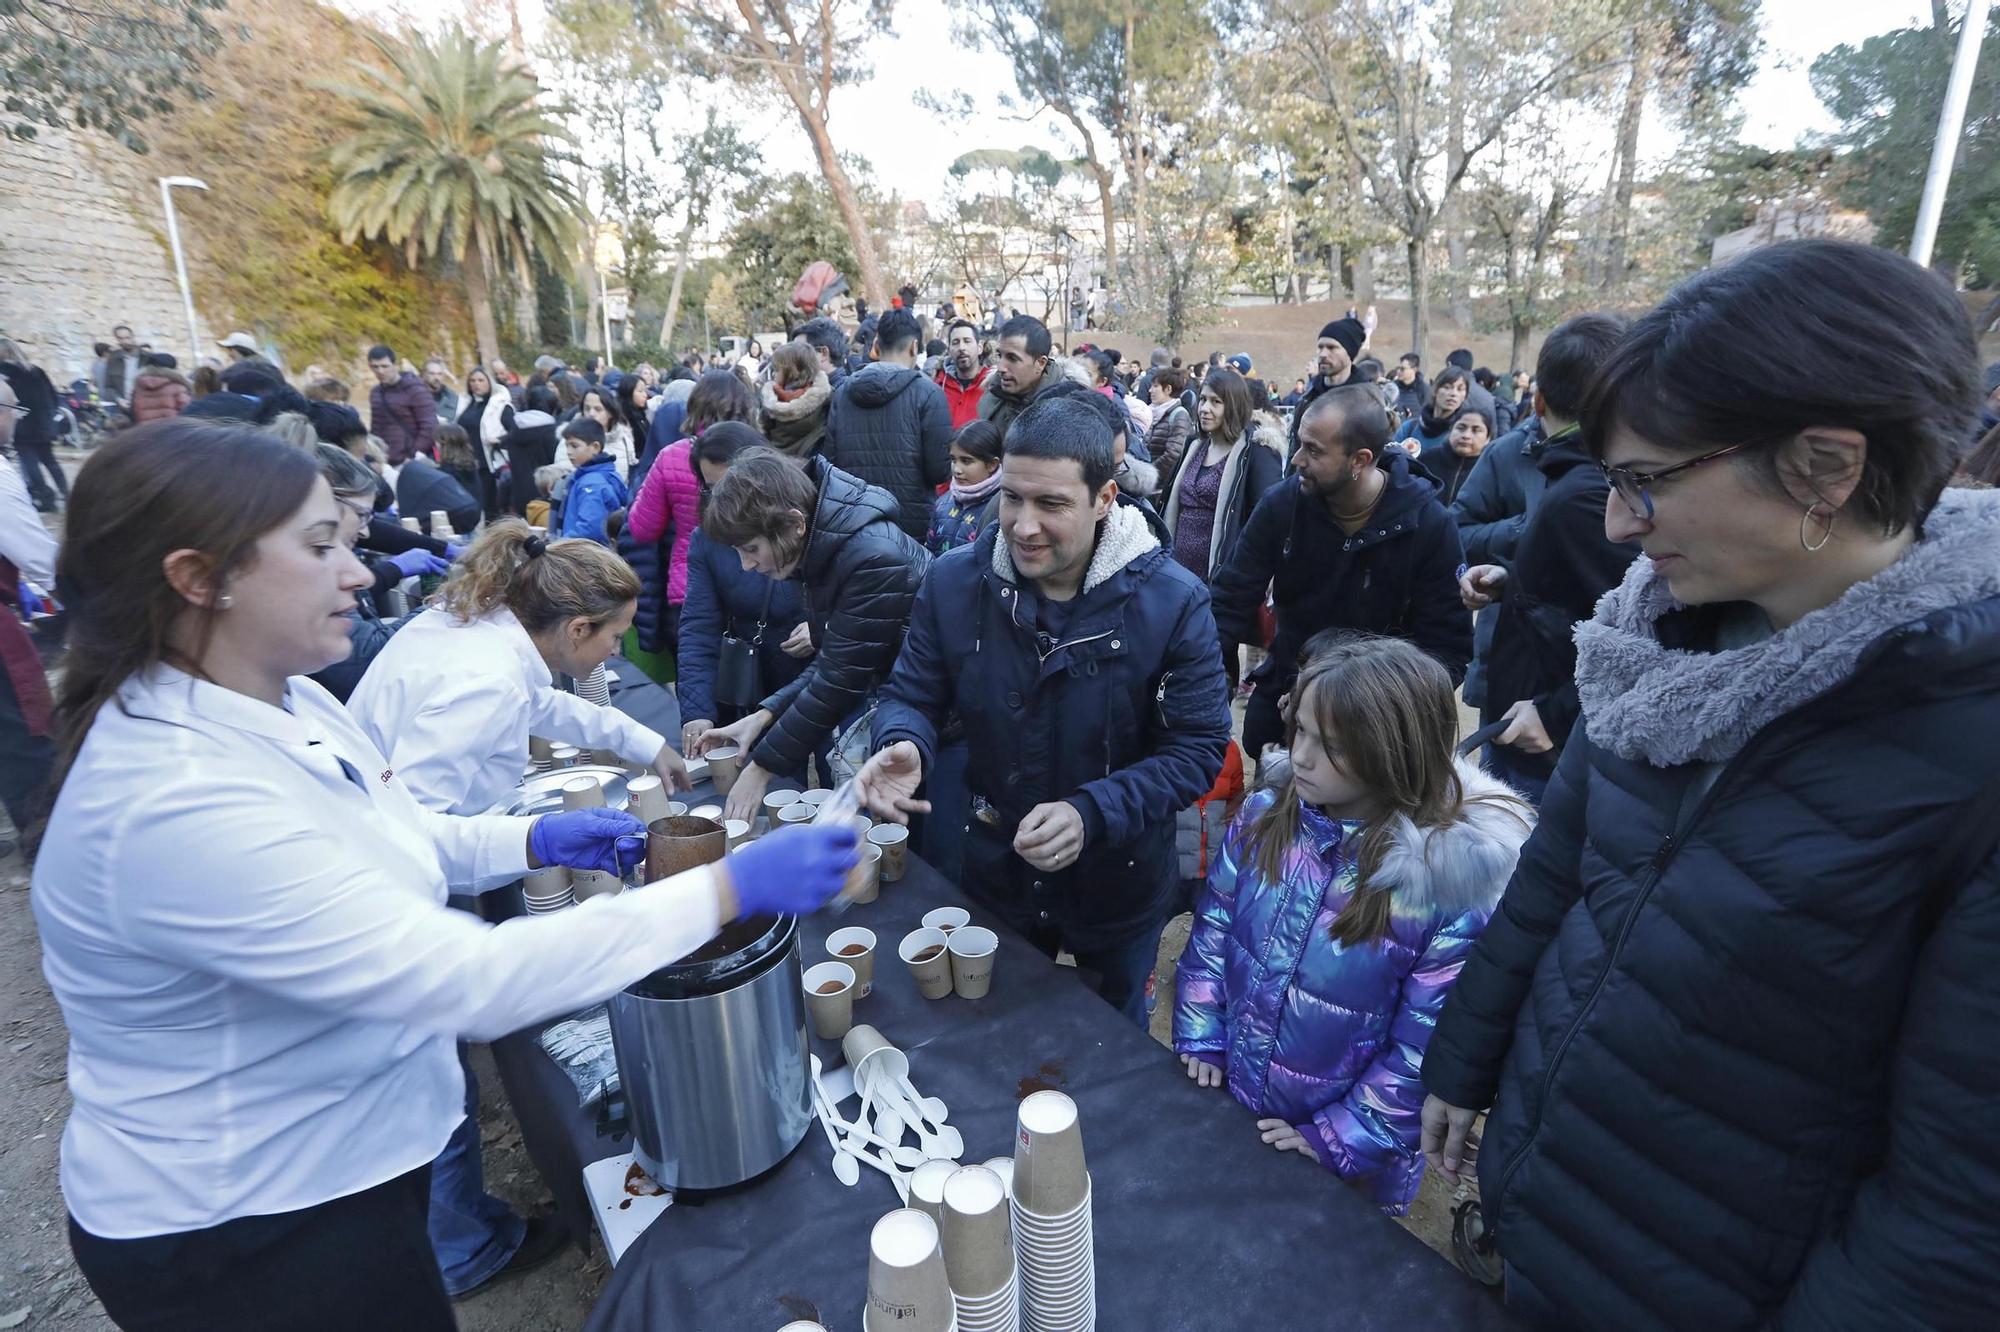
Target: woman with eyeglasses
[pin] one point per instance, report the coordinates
(1735, 1014)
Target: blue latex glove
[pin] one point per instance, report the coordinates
(31, 604)
(594, 839)
(413, 562)
(455, 550)
(793, 871)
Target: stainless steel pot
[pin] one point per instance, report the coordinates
(713, 1061)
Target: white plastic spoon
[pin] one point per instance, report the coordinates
(845, 1168)
(929, 1111)
(944, 1146)
(908, 1157)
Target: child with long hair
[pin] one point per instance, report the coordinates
(1336, 917)
(961, 512)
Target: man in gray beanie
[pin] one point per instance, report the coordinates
(1339, 343)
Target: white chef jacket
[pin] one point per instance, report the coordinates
(242, 914)
(452, 703)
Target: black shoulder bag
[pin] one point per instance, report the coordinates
(738, 670)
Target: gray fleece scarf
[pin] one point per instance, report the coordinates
(1668, 706)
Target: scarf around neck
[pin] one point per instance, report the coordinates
(973, 494)
(1649, 703)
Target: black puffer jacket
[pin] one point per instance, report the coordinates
(891, 427)
(1564, 564)
(1397, 576)
(861, 572)
(1739, 1040)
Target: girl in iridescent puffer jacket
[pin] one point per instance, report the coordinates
(1344, 900)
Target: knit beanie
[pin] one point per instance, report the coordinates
(1348, 333)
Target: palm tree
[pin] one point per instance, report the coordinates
(450, 154)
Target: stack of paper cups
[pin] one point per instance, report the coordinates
(547, 889)
(979, 1251)
(907, 1287)
(1051, 1210)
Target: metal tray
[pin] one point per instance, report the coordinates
(541, 793)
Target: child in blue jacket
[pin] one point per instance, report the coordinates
(595, 492)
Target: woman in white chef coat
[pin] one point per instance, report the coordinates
(454, 696)
(242, 910)
(451, 701)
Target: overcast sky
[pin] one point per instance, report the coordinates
(1779, 105)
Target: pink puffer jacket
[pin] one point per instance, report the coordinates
(671, 494)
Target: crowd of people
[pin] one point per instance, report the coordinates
(1689, 952)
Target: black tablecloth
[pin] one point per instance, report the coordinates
(1199, 1225)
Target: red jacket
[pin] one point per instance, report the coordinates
(962, 399)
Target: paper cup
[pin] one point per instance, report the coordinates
(856, 947)
(864, 1047)
(565, 756)
(894, 839)
(948, 919)
(907, 1287)
(803, 1325)
(583, 793)
(816, 797)
(541, 752)
(933, 970)
(647, 798)
(706, 812)
(978, 1240)
(972, 948)
(830, 999)
(737, 832)
(724, 762)
(1050, 1178)
(864, 881)
(595, 883)
(796, 812)
(547, 882)
(412, 523)
(1002, 1166)
(927, 1187)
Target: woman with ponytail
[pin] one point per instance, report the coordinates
(242, 910)
(1339, 911)
(454, 697)
(451, 701)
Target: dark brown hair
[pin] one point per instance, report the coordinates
(542, 582)
(1234, 393)
(1388, 706)
(149, 492)
(719, 395)
(1789, 337)
(757, 497)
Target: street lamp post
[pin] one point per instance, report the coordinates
(1958, 91)
(167, 184)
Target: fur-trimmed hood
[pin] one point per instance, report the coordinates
(1451, 870)
(1124, 536)
(1138, 477)
(1649, 703)
(795, 427)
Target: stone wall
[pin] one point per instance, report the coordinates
(83, 246)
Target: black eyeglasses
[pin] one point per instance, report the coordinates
(1635, 487)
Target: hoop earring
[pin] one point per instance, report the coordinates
(224, 602)
(1826, 533)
